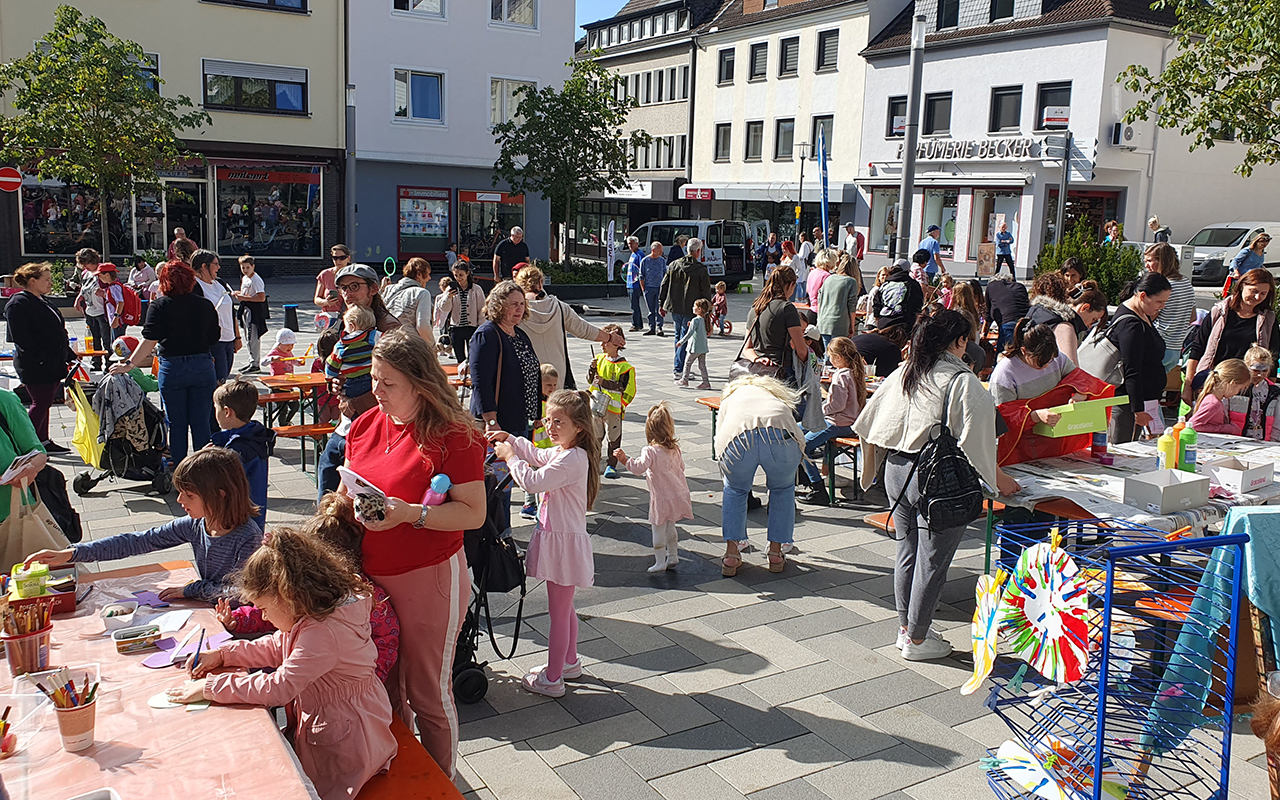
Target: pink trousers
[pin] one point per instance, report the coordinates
(562, 641)
(431, 603)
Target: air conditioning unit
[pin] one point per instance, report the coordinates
(1125, 136)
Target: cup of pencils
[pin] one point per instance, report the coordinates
(75, 706)
(26, 637)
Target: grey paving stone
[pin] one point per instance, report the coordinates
(474, 711)
(594, 738)
(606, 777)
(589, 699)
(630, 634)
(921, 732)
(762, 723)
(645, 665)
(966, 781)
(801, 682)
(877, 694)
(525, 723)
(816, 624)
(699, 783)
(861, 661)
(665, 705)
(703, 641)
(515, 772)
(875, 635)
(797, 789)
(680, 751)
(953, 708)
(851, 734)
(777, 763)
(874, 776)
(748, 617)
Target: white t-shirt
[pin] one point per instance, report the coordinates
(252, 284)
(221, 300)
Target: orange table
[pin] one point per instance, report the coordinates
(141, 752)
(307, 384)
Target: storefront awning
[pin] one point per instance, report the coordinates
(770, 192)
(1011, 179)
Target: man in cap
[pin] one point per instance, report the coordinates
(930, 243)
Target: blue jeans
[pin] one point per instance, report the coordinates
(813, 447)
(333, 456)
(681, 324)
(1006, 335)
(224, 354)
(637, 315)
(186, 386)
(779, 454)
(655, 317)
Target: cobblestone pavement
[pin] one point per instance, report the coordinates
(769, 686)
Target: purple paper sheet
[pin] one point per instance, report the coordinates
(150, 599)
(165, 657)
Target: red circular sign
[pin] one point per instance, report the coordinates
(10, 179)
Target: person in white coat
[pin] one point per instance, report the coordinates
(550, 321)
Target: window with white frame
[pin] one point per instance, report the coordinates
(784, 137)
(647, 27)
(724, 133)
(684, 83)
(515, 12)
(429, 8)
(648, 88)
(657, 94)
(828, 50)
(725, 73)
(419, 95)
(672, 88)
(754, 141)
(682, 145)
(758, 66)
(503, 100)
(789, 57)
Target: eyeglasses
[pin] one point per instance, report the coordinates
(350, 286)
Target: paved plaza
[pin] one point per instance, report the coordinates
(696, 687)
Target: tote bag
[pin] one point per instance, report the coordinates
(29, 529)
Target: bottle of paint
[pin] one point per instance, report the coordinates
(1187, 445)
(1167, 451)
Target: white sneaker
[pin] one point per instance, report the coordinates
(902, 636)
(927, 650)
(659, 566)
(537, 683)
(570, 671)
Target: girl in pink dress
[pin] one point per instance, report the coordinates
(323, 659)
(567, 477)
(663, 467)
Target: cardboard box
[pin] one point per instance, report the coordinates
(1239, 476)
(1166, 490)
(1087, 416)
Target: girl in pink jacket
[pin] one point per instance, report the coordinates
(663, 467)
(322, 655)
(1227, 380)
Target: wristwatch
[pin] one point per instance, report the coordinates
(421, 522)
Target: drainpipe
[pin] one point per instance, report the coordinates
(349, 173)
(693, 96)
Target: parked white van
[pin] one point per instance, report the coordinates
(729, 244)
(1215, 245)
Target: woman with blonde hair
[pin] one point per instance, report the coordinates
(1178, 314)
(1251, 256)
(506, 376)
(418, 431)
(410, 300)
(550, 321)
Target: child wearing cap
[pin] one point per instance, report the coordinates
(122, 350)
(94, 297)
(280, 361)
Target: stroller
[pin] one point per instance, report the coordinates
(118, 457)
(497, 565)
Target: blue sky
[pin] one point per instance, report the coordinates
(592, 10)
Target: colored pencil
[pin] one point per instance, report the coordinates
(196, 662)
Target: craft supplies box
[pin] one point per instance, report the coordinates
(119, 614)
(1087, 416)
(1239, 476)
(1166, 490)
(63, 602)
(136, 639)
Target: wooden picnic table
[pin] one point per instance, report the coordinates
(307, 384)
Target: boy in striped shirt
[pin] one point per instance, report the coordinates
(352, 357)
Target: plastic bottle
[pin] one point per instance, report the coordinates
(1167, 451)
(440, 486)
(1177, 436)
(1187, 446)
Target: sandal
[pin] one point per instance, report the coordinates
(776, 561)
(726, 569)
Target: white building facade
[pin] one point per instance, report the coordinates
(993, 91)
(432, 77)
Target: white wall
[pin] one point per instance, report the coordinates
(469, 50)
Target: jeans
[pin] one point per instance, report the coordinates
(333, 456)
(460, 336)
(102, 335)
(637, 315)
(224, 354)
(814, 442)
(1006, 335)
(186, 386)
(779, 454)
(42, 398)
(655, 315)
(681, 324)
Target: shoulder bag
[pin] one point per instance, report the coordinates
(29, 528)
(743, 366)
(52, 486)
(1100, 357)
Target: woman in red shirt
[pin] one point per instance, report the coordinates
(415, 554)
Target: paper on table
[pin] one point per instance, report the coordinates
(171, 621)
(356, 484)
(150, 599)
(167, 656)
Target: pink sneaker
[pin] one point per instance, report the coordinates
(537, 683)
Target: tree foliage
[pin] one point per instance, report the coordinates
(566, 144)
(87, 113)
(1112, 266)
(1224, 80)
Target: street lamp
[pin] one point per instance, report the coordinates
(907, 187)
(803, 146)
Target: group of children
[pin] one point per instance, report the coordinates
(1238, 398)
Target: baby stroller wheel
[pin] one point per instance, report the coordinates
(162, 483)
(470, 685)
(83, 484)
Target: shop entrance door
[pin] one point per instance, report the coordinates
(184, 203)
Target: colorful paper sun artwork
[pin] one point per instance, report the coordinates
(1042, 613)
(1027, 771)
(985, 628)
(1075, 770)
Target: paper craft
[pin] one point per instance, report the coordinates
(19, 464)
(150, 599)
(984, 630)
(171, 653)
(162, 700)
(1043, 613)
(171, 621)
(1076, 770)
(1026, 771)
(200, 706)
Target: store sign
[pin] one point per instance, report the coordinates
(976, 149)
(265, 175)
(489, 197)
(691, 193)
(639, 190)
(423, 217)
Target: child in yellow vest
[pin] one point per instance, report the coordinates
(550, 377)
(613, 387)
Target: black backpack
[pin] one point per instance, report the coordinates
(950, 488)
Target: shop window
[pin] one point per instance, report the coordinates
(258, 88)
(424, 219)
(1052, 100)
(272, 210)
(725, 74)
(884, 219)
(937, 114)
(755, 141)
(828, 50)
(60, 218)
(278, 5)
(148, 211)
(784, 137)
(940, 209)
(503, 100)
(435, 8)
(789, 57)
(758, 66)
(484, 219)
(948, 14)
(1001, 9)
(1006, 109)
(822, 124)
(990, 208)
(516, 12)
(897, 117)
(723, 133)
(419, 95)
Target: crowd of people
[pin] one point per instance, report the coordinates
(360, 615)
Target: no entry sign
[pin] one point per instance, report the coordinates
(10, 179)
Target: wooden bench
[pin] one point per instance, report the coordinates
(414, 774)
(847, 446)
(270, 402)
(318, 433)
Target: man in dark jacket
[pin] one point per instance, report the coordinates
(900, 299)
(1007, 302)
(686, 281)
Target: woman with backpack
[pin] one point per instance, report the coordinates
(935, 387)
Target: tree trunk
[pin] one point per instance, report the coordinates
(102, 220)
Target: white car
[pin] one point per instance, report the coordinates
(1215, 245)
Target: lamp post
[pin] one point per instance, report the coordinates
(803, 146)
(907, 187)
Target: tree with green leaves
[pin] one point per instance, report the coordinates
(1111, 265)
(89, 114)
(1223, 81)
(566, 144)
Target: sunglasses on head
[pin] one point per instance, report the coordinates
(1259, 367)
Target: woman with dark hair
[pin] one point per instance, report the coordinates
(1141, 350)
(1234, 325)
(1052, 304)
(42, 352)
(934, 385)
(410, 300)
(185, 326)
(1072, 271)
(1032, 365)
(463, 310)
(774, 329)
(1252, 256)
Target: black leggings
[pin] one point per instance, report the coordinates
(459, 336)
